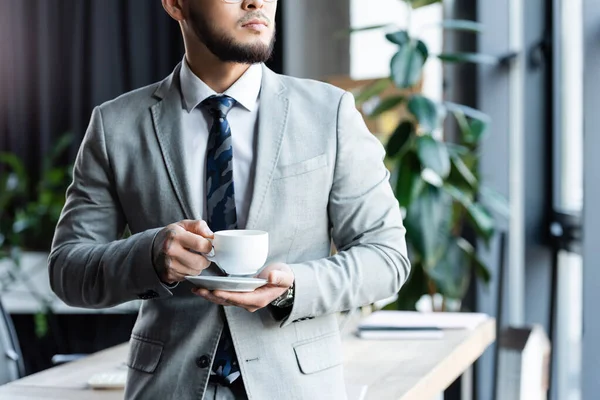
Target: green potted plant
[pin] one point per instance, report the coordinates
(29, 212)
(437, 182)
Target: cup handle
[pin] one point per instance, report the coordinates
(210, 256)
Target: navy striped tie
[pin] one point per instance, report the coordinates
(220, 201)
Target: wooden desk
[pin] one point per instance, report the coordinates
(399, 370)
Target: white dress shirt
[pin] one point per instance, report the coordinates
(242, 118)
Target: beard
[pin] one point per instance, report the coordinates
(225, 47)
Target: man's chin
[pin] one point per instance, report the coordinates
(252, 40)
(250, 52)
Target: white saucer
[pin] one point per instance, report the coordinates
(227, 283)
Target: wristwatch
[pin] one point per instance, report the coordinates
(286, 299)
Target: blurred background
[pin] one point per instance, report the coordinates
(488, 111)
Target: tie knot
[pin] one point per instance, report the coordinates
(218, 105)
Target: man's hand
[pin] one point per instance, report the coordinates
(176, 249)
(279, 276)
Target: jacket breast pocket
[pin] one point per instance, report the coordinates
(144, 354)
(319, 354)
(301, 167)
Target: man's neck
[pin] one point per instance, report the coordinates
(218, 75)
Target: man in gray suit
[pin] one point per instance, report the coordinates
(225, 143)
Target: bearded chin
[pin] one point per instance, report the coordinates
(226, 48)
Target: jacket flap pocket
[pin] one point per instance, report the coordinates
(144, 354)
(319, 354)
(301, 167)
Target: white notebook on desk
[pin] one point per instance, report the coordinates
(113, 379)
(415, 325)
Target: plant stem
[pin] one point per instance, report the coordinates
(432, 290)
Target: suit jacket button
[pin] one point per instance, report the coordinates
(203, 362)
(150, 294)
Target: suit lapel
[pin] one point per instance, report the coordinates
(272, 121)
(167, 125)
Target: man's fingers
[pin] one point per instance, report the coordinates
(176, 276)
(280, 279)
(251, 301)
(194, 242)
(191, 263)
(212, 298)
(198, 227)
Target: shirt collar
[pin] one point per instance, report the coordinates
(245, 90)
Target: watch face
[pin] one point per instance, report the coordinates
(286, 302)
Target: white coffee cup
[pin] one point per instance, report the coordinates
(239, 252)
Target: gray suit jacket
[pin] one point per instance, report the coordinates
(319, 176)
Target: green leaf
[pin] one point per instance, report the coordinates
(21, 224)
(41, 324)
(54, 176)
(414, 288)
(57, 150)
(478, 130)
(429, 176)
(399, 37)
(466, 110)
(19, 179)
(434, 155)
(400, 139)
(464, 198)
(422, 48)
(476, 58)
(422, 3)
(479, 218)
(472, 132)
(427, 224)
(386, 105)
(460, 174)
(495, 201)
(462, 25)
(407, 65)
(451, 273)
(372, 90)
(409, 176)
(463, 124)
(481, 269)
(456, 150)
(425, 111)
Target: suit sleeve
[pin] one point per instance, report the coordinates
(367, 229)
(88, 266)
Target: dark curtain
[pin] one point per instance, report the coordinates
(60, 58)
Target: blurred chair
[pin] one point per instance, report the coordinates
(12, 366)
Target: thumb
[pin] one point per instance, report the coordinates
(280, 279)
(199, 227)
